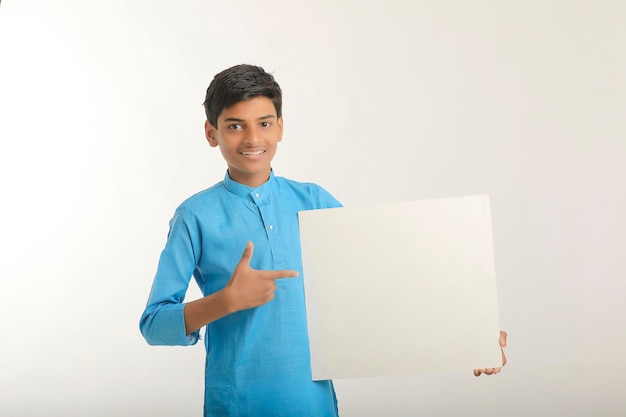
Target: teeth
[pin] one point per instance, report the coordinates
(252, 153)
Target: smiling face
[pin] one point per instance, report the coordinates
(247, 135)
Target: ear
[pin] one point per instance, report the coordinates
(211, 134)
(280, 128)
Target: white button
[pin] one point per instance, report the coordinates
(258, 195)
(271, 227)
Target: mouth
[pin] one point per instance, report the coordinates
(253, 153)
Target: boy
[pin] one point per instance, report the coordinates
(258, 361)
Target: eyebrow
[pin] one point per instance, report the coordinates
(234, 119)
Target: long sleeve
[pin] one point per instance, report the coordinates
(162, 322)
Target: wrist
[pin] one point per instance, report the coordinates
(227, 301)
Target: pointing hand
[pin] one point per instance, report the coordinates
(248, 288)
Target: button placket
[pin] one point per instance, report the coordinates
(271, 226)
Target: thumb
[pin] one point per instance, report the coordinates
(246, 257)
(503, 345)
(503, 336)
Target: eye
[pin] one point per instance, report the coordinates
(266, 124)
(235, 126)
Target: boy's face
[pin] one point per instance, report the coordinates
(247, 135)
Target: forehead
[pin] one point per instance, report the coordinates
(251, 109)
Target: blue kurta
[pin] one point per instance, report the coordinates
(258, 361)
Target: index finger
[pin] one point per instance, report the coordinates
(281, 273)
(285, 273)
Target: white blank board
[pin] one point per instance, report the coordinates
(400, 288)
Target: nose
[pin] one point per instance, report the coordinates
(253, 135)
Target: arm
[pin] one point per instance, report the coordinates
(247, 288)
(162, 321)
(494, 371)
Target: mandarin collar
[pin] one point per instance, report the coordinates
(257, 194)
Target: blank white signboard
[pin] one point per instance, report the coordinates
(400, 288)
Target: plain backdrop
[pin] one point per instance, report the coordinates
(101, 135)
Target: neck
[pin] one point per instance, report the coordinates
(251, 180)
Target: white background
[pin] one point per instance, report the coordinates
(101, 138)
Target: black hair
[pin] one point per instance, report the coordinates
(239, 83)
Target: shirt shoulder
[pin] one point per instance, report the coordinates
(315, 195)
(208, 205)
(205, 197)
